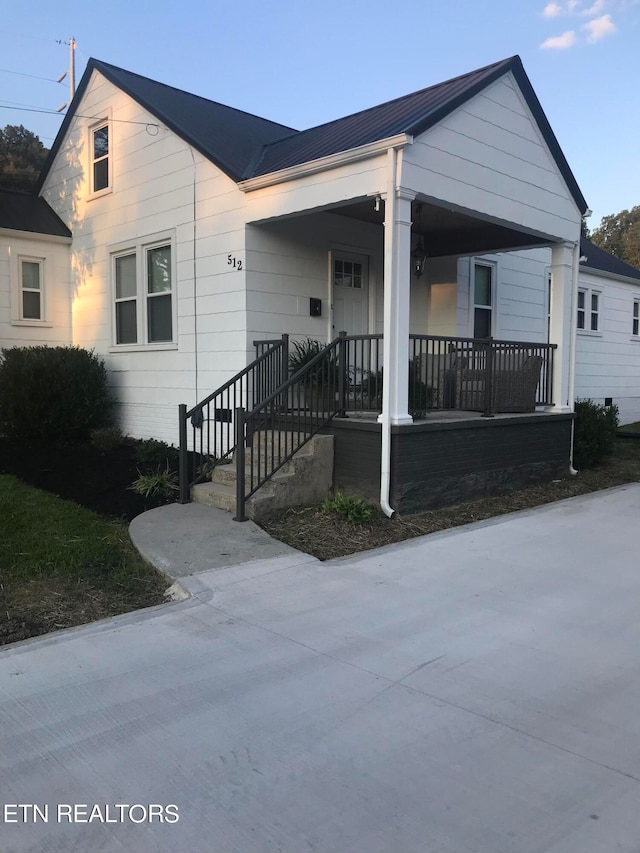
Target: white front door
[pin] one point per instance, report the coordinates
(350, 283)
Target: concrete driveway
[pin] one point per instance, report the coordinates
(477, 690)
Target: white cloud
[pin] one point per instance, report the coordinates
(599, 28)
(552, 10)
(562, 42)
(597, 7)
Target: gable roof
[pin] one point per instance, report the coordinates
(246, 146)
(598, 259)
(20, 211)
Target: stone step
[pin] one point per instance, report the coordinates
(215, 494)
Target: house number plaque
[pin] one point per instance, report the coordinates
(236, 263)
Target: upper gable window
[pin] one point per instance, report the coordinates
(100, 152)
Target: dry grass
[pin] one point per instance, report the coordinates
(328, 535)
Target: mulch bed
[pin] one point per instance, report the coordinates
(96, 479)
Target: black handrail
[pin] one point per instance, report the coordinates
(212, 419)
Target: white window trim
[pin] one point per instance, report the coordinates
(492, 265)
(18, 318)
(589, 292)
(104, 122)
(140, 248)
(635, 302)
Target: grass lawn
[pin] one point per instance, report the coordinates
(634, 427)
(327, 535)
(62, 564)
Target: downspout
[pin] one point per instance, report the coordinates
(389, 248)
(195, 294)
(572, 346)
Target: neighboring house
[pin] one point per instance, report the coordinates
(198, 229)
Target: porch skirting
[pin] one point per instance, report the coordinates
(444, 462)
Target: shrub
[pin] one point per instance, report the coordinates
(353, 509)
(107, 438)
(151, 453)
(53, 393)
(595, 432)
(160, 486)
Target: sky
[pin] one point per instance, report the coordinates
(304, 63)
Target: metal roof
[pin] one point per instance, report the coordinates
(598, 259)
(21, 211)
(246, 146)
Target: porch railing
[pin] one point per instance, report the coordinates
(211, 421)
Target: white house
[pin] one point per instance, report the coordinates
(196, 229)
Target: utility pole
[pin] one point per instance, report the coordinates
(71, 71)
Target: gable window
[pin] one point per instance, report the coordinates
(636, 318)
(100, 157)
(31, 289)
(144, 300)
(483, 298)
(588, 315)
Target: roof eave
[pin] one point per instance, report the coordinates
(22, 234)
(322, 164)
(626, 279)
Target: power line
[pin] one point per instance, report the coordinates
(32, 76)
(8, 106)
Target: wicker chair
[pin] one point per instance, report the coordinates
(514, 383)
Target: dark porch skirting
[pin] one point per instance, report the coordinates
(440, 463)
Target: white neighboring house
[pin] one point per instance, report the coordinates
(197, 229)
(608, 332)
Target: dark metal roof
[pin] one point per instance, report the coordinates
(24, 212)
(228, 137)
(246, 146)
(598, 259)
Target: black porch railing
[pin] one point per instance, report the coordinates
(266, 416)
(211, 421)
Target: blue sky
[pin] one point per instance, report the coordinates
(303, 63)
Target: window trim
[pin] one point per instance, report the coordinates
(104, 122)
(20, 318)
(635, 318)
(139, 249)
(589, 293)
(492, 266)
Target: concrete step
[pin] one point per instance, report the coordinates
(215, 494)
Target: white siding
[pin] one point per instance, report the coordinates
(608, 362)
(158, 181)
(489, 156)
(55, 329)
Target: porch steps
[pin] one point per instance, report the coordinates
(307, 478)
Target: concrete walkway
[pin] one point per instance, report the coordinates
(474, 690)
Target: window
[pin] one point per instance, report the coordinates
(588, 316)
(635, 329)
(347, 273)
(482, 300)
(100, 158)
(143, 295)
(31, 289)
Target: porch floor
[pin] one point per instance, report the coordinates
(450, 416)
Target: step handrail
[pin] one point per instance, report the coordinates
(256, 379)
(329, 370)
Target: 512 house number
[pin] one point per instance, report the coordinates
(234, 262)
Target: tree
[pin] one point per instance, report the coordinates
(22, 156)
(619, 234)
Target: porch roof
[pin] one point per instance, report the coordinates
(20, 211)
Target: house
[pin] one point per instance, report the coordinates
(418, 227)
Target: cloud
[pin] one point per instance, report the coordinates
(599, 28)
(562, 42)
(552, 10)
(597, 7)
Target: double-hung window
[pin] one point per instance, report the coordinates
(144, 297)
(100, 157)
(483, 299)
(588, 315)
(31, 284)
(635, 323)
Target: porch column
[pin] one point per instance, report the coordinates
(562, 322)
(397, 284)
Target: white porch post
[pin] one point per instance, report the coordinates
(397, 284)
(562, 322)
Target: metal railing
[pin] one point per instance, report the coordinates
(211, 421)
(268, 436)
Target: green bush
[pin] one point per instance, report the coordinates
(595, 433)
(151, 453)
(53, 393)
(353, 509)
(108, 438)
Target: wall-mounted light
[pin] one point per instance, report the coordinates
(419, 254)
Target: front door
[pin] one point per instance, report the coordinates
(350, 279)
